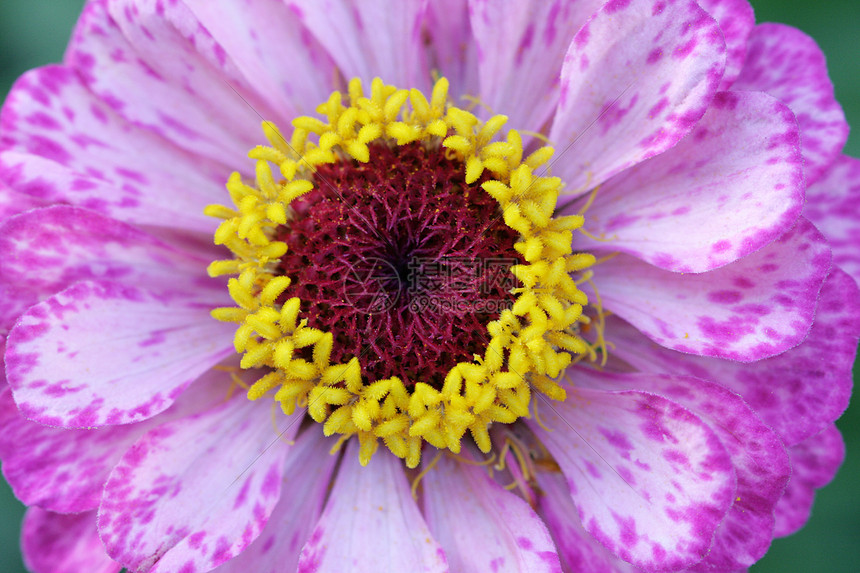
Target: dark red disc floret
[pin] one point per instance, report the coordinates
(401, 260)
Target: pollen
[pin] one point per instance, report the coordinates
(397, 270)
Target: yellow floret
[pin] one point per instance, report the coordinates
(526, 346)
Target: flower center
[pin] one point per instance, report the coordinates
(401, 260)
(400, 274)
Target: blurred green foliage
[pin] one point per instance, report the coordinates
(35, 32)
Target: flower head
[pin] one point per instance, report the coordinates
(521, 288)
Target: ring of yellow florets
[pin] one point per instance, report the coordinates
(528, 345)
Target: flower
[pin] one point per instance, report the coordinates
(640, 394)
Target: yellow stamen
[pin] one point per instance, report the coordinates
(417, 481)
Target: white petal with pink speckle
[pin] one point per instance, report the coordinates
(371, 522)
(521, 46)
(650, 480)
(482, 527)
(369, 38)
(101, 353)
(733, 185)
(754, 308)
(636, 79)
(194, 493)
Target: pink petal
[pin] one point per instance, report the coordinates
(450, 47)
(667, 59)
(578, 550)
(732, 186)
(307, 475)
(100, 353)
(44, 251)
(754, 308)
(815, 462)
(650, 480)
(61, 144)
(521, 47)
(736, 20)
(371, 522)
(57, 543)
(369, 38)
(279, 58)
(761, 462)
(65, 470)
(157, 67)
(789, 65)
(833, 204)
(799, 392)
(191, 494)
(481, 526)
(13, 202)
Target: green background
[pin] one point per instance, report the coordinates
(35, 32)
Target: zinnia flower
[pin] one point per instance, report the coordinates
(523, 286)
